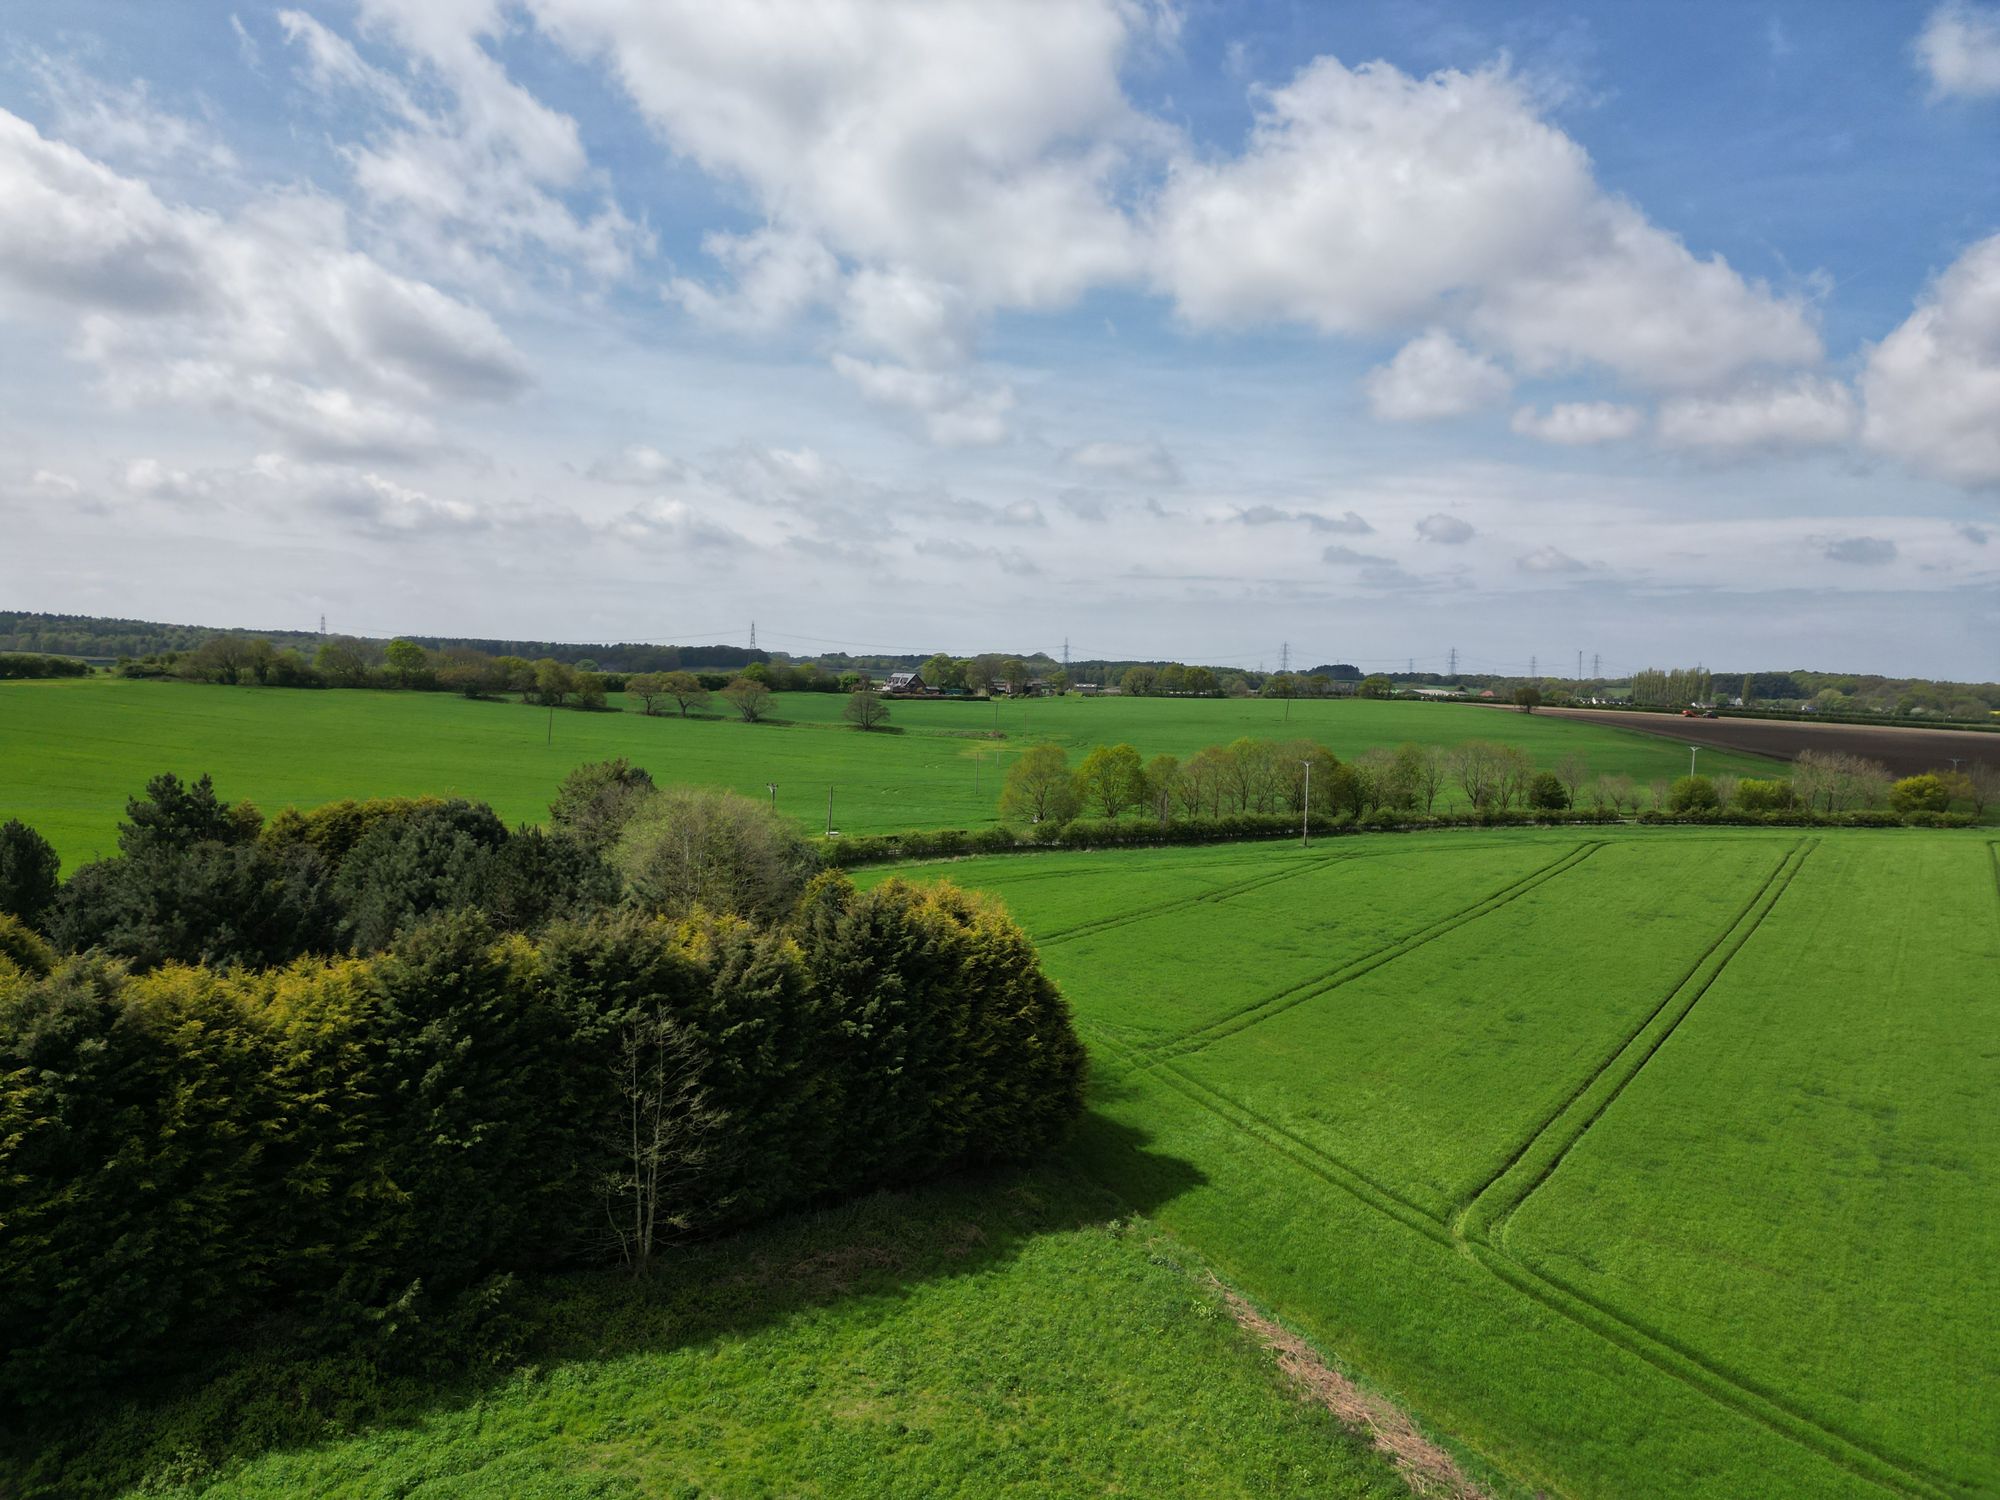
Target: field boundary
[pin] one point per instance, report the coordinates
(1313, 986)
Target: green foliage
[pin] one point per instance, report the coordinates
(687, 847)
(595, 801)
(29, 873)
(406, 868)
(1547, 791)
(1761, 795)
(375, 1146)
(1692, 794)
(1039, 789)
(333, 830)
(23, 947)
(173, 817)
(1111, 779)
(1925, 793)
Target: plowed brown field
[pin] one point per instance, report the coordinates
(1906, 752)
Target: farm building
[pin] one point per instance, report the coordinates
(906, 684)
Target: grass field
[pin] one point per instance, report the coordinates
(71, 752)
(1647, 1162)
(1020, 1337)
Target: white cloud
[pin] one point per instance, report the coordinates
(957, 412)
(1142, 463)
(491, 169)
(774, 275)
(1435, 376)
(1367, 199)
(1931, 389)
(122, 124)
(54, 482)
(270, 313)
(1444, 530)
(1959, 48)
(1577, 423)
(1802, 413)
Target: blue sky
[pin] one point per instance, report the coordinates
(1663, 333)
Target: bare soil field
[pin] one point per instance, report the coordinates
(1904, 751)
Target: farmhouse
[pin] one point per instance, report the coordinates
(905, 684)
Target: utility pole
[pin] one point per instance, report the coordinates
(1453, 673)
(829, 811)
(1285, 657)
(772, 787)
(322, 624)
(1596, 671)
(1065, 657)
(552, 723)
(1305, 808)
(1579, 666)
(1534, 668)
(1410, 667)
(753, 635)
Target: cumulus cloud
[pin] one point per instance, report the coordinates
(1931, 389)
(1577, 423)
(1142, 463)
(1446, 531)
(1859, 551)
(661, 522)
(1433, 376)
(1802, 413)
(1959, 49)
(270, 313)
(1367, 198)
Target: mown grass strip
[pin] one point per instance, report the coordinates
(1315, 985)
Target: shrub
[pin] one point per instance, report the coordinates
(1925, 793)
(595, 802)
(689, 847)
(29, 873)
(1764, 796)
(1692, 794)
(1547, 791)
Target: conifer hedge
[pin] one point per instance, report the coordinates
(375, 1144)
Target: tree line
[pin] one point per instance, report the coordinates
(1301, 776)
(369, 1142)
(22, 665)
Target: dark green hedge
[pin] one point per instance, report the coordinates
(375, 1145)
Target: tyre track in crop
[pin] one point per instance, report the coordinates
(1688, 990)
(1727, 1388)
(1166, 908)
(1479, 1229)
(1193, 1039)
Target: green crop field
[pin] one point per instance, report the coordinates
(71, 752)
(1021, 1337)
(1645, 1162)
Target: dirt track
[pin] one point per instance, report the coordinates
(1904, 751)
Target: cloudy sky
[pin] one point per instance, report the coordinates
(1663, 333)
